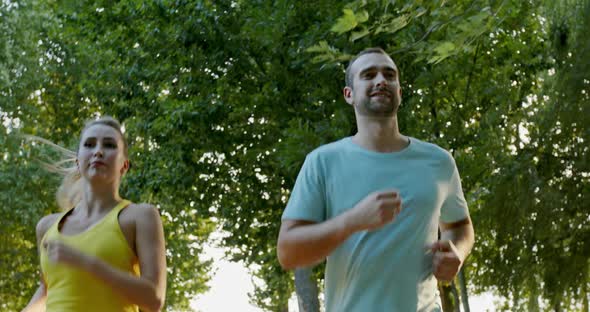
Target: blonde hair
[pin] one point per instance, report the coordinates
(69, 192)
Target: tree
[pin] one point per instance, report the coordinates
(542, 244)
(444, 55)
(475, 92)
(77, 37)
(220, 112)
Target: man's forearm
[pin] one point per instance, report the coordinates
(462, 237)
(303, 245)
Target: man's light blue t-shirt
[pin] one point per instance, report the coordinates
(388, 269)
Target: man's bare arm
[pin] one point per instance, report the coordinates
(450, 252)
(461, 234)
(304, 243)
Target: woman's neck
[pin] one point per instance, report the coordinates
(98, 199)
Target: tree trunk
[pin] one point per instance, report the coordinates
(463, 287)
(585, 306)
(533, 304)
(306, 288)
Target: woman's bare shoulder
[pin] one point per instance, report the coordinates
(140, 212)
(45, 223)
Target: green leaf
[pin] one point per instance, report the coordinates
(358, 34)
(475, 24)
(345, 23)
(323, 58)
(442, 51)
(395, 25)
(322, 46)
(420, 11)
(445, 48)
(407, 7)
(362, 16)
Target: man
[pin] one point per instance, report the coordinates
(372, 205)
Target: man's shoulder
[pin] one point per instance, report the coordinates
(431, 149)
(329, 149)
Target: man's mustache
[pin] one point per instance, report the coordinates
(388, 90)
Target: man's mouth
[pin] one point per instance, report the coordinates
(381, 94)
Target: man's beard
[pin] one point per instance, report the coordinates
(375, 107)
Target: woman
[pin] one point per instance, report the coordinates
(104, 253)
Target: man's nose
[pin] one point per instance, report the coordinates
(380, 80)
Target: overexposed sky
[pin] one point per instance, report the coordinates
(229, 286)
(229, 290)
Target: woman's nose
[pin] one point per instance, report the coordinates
(98, 152)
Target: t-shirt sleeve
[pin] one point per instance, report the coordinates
(454, 207)
(307, 200)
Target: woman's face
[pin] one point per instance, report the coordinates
(101, 156)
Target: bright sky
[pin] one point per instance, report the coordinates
(231, 284)
(229, 287)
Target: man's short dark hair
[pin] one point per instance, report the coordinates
(348, 76)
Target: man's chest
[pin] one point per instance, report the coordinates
(419, 184)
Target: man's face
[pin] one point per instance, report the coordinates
(376, 91)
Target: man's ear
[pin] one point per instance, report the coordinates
(348, 95)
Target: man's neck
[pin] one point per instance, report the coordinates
(379, 134)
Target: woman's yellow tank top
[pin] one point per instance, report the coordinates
(73, 290)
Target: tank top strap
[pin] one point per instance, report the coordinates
(114, 214)
(54, 228)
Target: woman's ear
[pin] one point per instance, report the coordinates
(126, 166)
